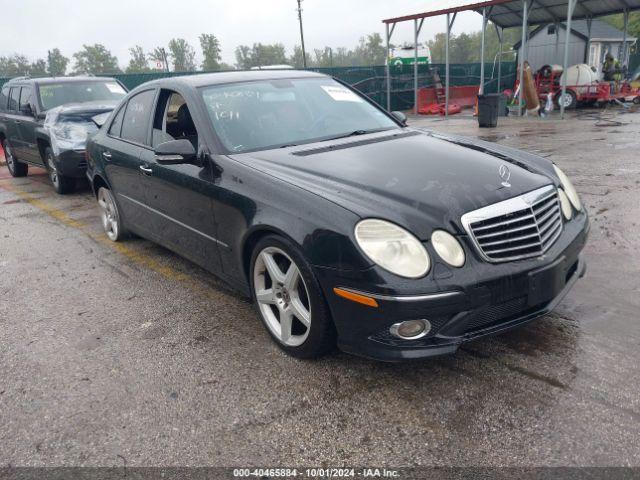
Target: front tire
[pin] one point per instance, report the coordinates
(289, 299)
(16, 168)
(61, 184)
(110, 215)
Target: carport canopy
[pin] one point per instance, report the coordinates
(508, 14)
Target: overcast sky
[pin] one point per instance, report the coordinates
(38, 25)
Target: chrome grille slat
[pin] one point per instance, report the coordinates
(545, 217)
(549, 226)
(512, 239)
(504, 232)
(521, 227)
(510, 249)
(545, 202)
(549, 234)
(552, 240)
(552, 220)
(542, 211)
(505, 222)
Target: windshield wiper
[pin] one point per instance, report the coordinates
(355, 133)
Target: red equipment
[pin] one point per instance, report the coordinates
(547, 81)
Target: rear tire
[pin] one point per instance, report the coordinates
(61, 184)
(570, 100)
(289, 299)
(110, 215)
(16, 168)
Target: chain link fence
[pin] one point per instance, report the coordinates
(372, 80)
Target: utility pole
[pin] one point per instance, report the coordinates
(304, 55)
(165, 60)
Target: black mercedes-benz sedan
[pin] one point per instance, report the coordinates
(343, 224)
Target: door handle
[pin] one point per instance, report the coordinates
(107, 155)
(146, 170)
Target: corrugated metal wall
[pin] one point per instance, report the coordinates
(541, 48)
(372, 81)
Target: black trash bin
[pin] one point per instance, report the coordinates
(503, 110)
(488, 109)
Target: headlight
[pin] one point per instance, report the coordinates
(448, 248)
(568, 188)
(71, 131)
(565, 204)
(393, 248)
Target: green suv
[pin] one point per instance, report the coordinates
(45, 122)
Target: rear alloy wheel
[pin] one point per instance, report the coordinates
(289, 300)
(111, 220)
(61, 183)
(16, 168)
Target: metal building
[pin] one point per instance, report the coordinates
(546, 42)
(508, 14)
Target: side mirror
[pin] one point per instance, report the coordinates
(399, 116)
(175, 152)
(27, 110)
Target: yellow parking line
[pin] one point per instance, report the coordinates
(137, 257)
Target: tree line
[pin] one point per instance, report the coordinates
(180, 56)
(97, 59)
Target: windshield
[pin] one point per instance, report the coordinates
(269, 114)
(55, 94)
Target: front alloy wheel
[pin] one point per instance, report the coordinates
(282, 296)
(109, 214)
(289, 299)
(61, 183)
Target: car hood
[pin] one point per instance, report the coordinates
(420, 180)
(87, 109)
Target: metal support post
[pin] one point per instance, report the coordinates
(570, 6)
(450, 21)
(525, 12)
(484, 28)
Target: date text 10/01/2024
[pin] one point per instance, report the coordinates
(316, 473)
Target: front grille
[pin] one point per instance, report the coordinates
(521, 227)
(496, 313)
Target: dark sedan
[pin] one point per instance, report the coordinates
(343, 224)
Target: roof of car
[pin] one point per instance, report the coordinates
(46, 80)
(206, 79)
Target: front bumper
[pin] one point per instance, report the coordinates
(464, 304)
(71, 163)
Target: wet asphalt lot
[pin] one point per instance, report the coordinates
(127, 354)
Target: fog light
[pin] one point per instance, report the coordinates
(410, 329)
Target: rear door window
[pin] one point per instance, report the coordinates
(135, 125)
(14, 98)
(26, 97)
(116, 125)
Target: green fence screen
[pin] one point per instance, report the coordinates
(372, 81)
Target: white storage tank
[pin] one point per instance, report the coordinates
(579, 75)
